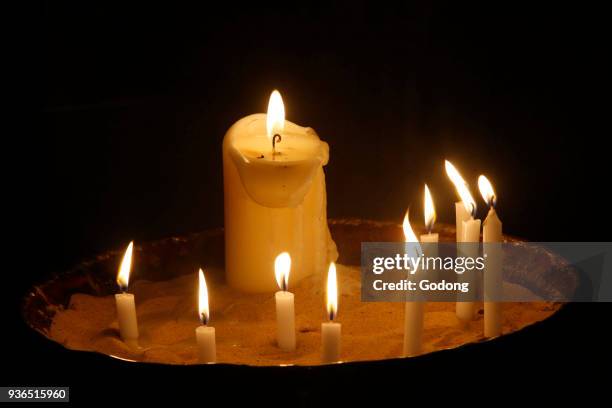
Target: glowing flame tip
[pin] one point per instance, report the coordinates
(275, 119)
(462, 187)
(332, 292)
(203, 310)
(123, 277)
(282, 267)
(486, 189)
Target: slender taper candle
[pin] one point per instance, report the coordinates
(468, 232)
(126, 307)
(205, 334)
(414, 310)
(492, 239)
(285, 312)
(331, 331)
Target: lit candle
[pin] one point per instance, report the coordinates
(205, 334)
(470, 232)
(126, 307)
(491, 237)
(330, 331)
(461, 212)
(430, 218)
(430, 249)
(414, 309)
(285, 313)
(275, 199)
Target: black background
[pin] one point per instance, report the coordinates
(133, 102)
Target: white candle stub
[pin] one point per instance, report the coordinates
(126, 316)
(285, 311)
(205, 335)
(126, 306)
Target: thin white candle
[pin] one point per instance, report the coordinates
(126, 307)
(414, 309)
(468, 232)
(466, 310)
(205, 334)
(331, 331)
(285, 311)
(492, 238)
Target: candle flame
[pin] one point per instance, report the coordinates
(275, 119)
(123, 276)
(410, 236)
(430, 210)
(462, 188)
(282, 266)
(332, 292)
(203, 310)
(486, 189)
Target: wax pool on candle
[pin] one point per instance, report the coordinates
(274, 201)
(285, 310)
(492, 238)
(126, 306)
(331, 331)
(205, 335)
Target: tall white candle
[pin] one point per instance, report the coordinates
(126, 307)
(466, 309)
(285, 311)
(331, 331)
(275, 199)
(205, 335)
(414, 309)
(468, 232)
(492, 239)
(461, 215)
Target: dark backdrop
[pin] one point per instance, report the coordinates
(134, 101)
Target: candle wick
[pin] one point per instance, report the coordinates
(275, 139)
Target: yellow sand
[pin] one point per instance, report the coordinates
(246, 328)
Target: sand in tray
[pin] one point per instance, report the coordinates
(246, 327)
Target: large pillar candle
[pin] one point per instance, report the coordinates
(126, 306)
(492, 239)
(275, 199)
